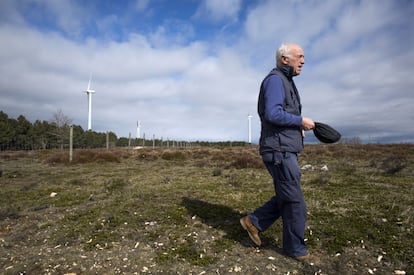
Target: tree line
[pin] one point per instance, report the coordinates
(21, 134)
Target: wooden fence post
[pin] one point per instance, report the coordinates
(71, 144)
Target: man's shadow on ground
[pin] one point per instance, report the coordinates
(222, 218)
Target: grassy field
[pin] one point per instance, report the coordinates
(177, 211)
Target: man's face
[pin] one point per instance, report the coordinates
(296, 59)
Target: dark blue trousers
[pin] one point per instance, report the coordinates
(288, 202)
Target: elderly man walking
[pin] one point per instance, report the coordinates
(282, 133)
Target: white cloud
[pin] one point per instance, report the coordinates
(141, 5)
(275, 22)
(171, 33)
(357, 77)
(68, 15)
(218, 10)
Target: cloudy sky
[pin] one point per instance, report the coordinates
(191, 69)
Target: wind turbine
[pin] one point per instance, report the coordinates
(89, 93)
(249, 117)
(138, 129)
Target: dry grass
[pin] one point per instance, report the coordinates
(177, 211)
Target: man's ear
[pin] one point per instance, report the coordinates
(285, 60)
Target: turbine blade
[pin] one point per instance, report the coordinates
(89, 83)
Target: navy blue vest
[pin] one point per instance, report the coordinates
(276, 137)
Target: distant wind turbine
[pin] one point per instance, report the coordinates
(138, 129)
(89, 93)
(249, 117)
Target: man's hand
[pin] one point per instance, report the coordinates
(307, 124)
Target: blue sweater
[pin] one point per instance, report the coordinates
(274, 96)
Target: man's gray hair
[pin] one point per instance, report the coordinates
(284, 50)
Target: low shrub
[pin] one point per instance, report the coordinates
(174, 155)
(217, 172)
(59, 157)
(393, 165)
(246, 160)
(84, 156)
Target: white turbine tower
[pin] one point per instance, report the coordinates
(138, 129)
(249, 117)
(89, 93)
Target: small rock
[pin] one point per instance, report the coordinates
(307, 167)
(379, 258)
(237, 268)
(271, 267)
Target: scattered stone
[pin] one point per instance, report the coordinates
(324, 168)
(271, 267)
(307, 167)
(379, 258)
(237, 268)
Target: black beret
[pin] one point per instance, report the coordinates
(326, 133)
